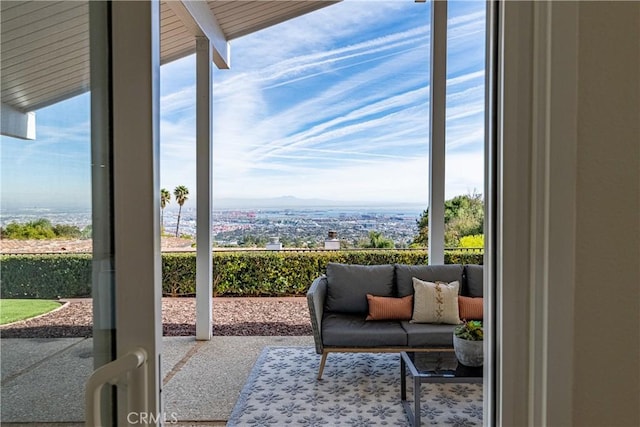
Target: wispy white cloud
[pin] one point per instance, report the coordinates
(178, 101)
(333, 104)
(339, 110)
(317, 31)
(292, 68)
(359, 120)
(473, 76)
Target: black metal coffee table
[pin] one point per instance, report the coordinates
(431, 367)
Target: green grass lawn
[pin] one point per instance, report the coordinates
(12, 310)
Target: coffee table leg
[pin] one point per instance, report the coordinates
(403, 379)
(416, 402)
(403, 391)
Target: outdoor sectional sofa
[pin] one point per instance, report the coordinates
(338, 306)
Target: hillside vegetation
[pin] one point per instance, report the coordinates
(463, 217)
(41, 229)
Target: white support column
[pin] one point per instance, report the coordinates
(437, 123)
(204, 182)
(135, 36)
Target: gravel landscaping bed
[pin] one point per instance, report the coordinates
(231, 316)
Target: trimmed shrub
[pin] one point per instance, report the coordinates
(247, 273)
(179, 274)
(472, 241)
(46, 276)
(235, 273)
(463, 257)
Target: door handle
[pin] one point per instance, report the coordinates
(113, 373)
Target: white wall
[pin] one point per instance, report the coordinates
(606, 368)
(568, 215)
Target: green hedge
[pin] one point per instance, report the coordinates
(234, 273)
(45, 276)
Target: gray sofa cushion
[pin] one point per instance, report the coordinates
(473, 286)
(348, 286)
(428, 334)
(351, 330)
(430, 273)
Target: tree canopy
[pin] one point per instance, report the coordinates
(377, 240)
(43, 229)
(463, 216)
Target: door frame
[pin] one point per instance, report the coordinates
(535, 209)
(534, 240)
(135, 68)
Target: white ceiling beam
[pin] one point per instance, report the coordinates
(16, 123)
(200, 21)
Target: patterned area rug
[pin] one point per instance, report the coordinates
(357, 389)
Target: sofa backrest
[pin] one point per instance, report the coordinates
(349, 284)
(430, 273)
(474, 277)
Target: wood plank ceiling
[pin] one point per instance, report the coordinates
(44, 45)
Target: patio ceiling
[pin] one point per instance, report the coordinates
(45, 45)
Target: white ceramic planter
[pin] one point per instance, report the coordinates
(469, 353)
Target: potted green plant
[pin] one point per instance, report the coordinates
(468, 343)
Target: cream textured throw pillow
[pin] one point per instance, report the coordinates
(435, 302)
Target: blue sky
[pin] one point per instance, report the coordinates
(331, 105)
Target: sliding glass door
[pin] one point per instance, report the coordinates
(126, 263)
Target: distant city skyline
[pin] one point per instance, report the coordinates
(332, 105)
(308, 224)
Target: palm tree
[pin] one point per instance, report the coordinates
(181, 192)
(165, 198)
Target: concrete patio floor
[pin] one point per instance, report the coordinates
(43, 379)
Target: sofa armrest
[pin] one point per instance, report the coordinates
(315, 299)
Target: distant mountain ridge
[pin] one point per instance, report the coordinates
(296, 202)
(224, 203)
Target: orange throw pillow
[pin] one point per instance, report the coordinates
(470, 308)
(389, 308)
